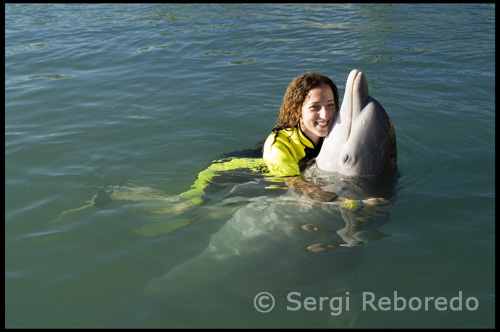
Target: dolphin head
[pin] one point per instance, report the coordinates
(362, 140)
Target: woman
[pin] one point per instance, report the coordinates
(306, 116)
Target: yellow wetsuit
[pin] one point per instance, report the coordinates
(289, 152)
(284, 154)
(197, 191)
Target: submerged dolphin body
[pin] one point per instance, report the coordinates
(362, 141)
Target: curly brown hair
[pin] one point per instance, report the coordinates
(296, 94)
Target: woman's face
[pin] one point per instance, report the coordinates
(318, 112)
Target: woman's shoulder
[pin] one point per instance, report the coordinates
(279, 156)
(282, 135)
(279, 151)
(278, 139)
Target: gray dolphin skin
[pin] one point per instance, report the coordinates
(362, 141)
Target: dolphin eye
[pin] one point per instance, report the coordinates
(346, 158)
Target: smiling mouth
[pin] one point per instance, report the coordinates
(323, 124)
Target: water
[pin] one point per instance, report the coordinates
(149, 94)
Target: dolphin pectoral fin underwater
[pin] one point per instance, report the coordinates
(362, 141)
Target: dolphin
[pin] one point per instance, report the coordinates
(362, 140)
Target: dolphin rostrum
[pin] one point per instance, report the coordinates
(362, 140)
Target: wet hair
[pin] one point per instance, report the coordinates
(296, 94)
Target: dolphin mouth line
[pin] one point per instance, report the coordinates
(352, 103)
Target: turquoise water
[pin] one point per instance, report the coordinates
(149, 94)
